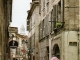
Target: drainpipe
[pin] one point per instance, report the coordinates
(50, 48)
(62, 11)
(79, 30)
(78, 46)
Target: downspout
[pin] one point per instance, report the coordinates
(78, 45)
(62, 11)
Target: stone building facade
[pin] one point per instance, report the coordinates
(5, 19)
(61, 30)
(32, 27)
(58, 29)
(21, 51)
(12, 37)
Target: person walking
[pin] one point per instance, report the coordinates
(54, 58)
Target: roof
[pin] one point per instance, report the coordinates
(22, 36)
(34, 4)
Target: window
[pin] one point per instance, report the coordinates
(47, 5)
(29, 43)
(59, 11)
(46, 24)
(0, 36)
(56, 17)
(43, 4)
(33, 41)
(43, 27)
(39, 6)
(33, 20)
(40, 31)
(28, 25)
(43, 7)
(51, 20)
(31, 24)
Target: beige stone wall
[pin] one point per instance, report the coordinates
(79, 30)
(43, 49)
(65, 38)
(71, 17)
(3, 30)
(68, 51)
(35, 22)
(71, 14)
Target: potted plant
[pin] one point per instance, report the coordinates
(58, 24)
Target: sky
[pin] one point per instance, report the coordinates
(19, 13)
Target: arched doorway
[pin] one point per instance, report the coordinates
(56, 51)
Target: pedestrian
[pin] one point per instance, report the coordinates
(54, 58)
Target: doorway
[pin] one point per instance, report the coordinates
(56, 51)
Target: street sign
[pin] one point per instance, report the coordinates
(13, 29)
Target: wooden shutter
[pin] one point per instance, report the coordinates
(43, 28)
(54, 16)
(46, 21)
(39, 6)
(40, 30)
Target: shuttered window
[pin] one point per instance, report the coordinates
(59, 11)
(54, 16)
(47, 5)
(29, 43)
(0, 36)
(46, 21)
(43, 28)
(43, 8)
(40, 31)
(39, 6)
(28, 25)
(57, 14)
(31, 24)
(51, 20)
(33, 40)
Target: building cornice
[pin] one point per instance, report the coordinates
(33, 5)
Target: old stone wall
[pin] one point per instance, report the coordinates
(71, 14)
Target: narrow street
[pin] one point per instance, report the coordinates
(39, 30)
